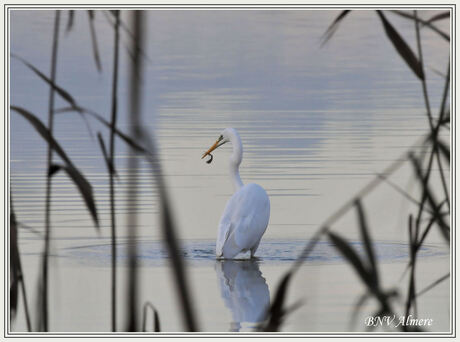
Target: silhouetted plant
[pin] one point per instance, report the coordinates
(367, 270)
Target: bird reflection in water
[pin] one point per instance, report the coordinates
(244, 291)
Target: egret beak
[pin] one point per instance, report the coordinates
(213, 147)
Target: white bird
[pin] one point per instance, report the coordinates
(247, 212)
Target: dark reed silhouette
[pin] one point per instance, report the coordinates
(275, 313)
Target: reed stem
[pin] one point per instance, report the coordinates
(112, 168)
(136, 134)
(44, 319)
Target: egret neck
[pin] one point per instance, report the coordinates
(235, 160)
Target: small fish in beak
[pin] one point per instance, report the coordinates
(218, 143)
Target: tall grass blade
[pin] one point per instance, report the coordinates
(367, 241)
(112, 171)
(445, 95)
(399, 190)
(44, 132)
(276, 311)
(64, 94)
(156, 321)
(167, 223)
(170, 238)
(410, 302)
(94, 40)
(444, 228)
(125, 29)
(108, 161)
(122, 25)
(427, 229)
(156, 318)
(333, 27)
(128, 140)
(423, 22)
(446, 119)
(401, 47)
(14, 262)
(70, 21)
(424, 85)
(43, 285)
(135, 92)
(437, 17)
(29, 228)
(432, 285)
(16, 270)
(84, 187)
(349, 254)
(357, 307)
(78, 178)
(445, 150)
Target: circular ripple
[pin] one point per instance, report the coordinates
(152, 253)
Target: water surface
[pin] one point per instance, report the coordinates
(316, 124)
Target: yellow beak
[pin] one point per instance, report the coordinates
(212, 148)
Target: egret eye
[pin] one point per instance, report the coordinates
(210, 159)
(221, 137)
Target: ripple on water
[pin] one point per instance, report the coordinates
(152, 253)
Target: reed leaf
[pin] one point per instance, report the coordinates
(17, 276)
(29, 228)
(427, 228)
(125, 29)
(156, 321)
(423, 22)
(14, 262)
(333, 27)
(131, 142)
(83, 186)
(367, 241)
(64, 94)
(70, 21)
(74, 107)
(399, 190)
(81, 182)
(44, 132)
(444, 228)
(156, 318)
(402, 47)
(357, 307)
(108, 160)
(94, 40)
(437, 17)
(413, 236)
(432, 285)
(445, 120)
(276, 311)
(445, 95)
(444, 149)
(169, 234)
(349, 254)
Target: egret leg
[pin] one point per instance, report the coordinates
(254, 249)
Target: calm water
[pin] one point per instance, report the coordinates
(316, 123)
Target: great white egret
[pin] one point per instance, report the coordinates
(247, 212)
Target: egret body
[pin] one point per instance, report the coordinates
(247, 212)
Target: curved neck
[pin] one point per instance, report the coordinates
(236, 179)
(235, 161)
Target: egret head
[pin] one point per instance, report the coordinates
(224, 138)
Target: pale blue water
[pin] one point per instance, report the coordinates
(316, 123)
(270, 252)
